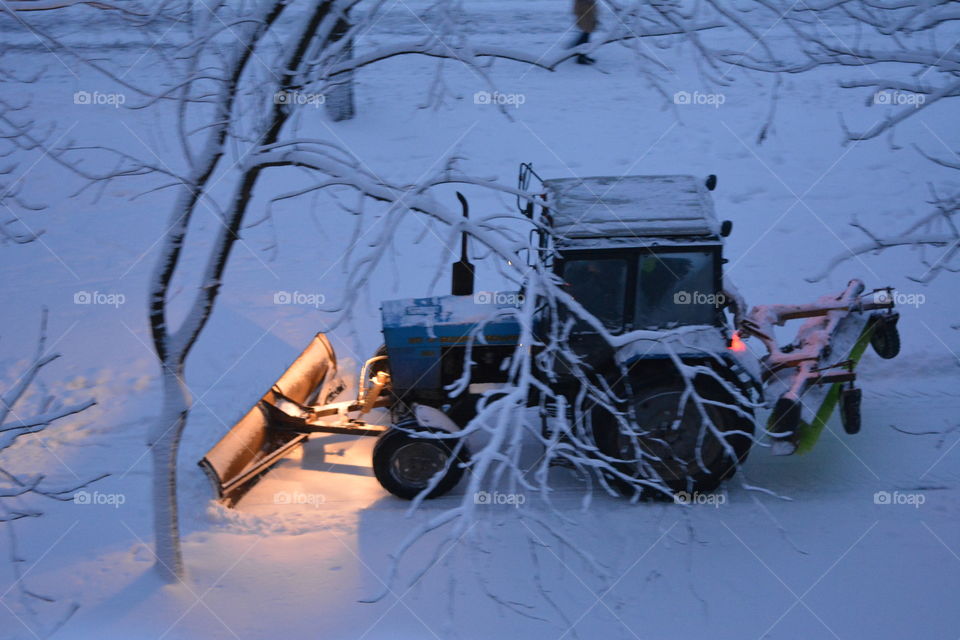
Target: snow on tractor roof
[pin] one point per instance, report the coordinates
(630, 207)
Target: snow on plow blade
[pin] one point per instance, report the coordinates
(258, 441)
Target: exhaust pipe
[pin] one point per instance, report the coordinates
(463, 274)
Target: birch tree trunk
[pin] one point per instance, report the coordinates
(164, 444)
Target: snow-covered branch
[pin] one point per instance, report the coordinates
(938, 229)
(20, 416)
(910, 67)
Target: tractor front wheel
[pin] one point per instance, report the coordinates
(405, 464)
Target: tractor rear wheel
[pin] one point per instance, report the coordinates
(675, 446)
(405, 464)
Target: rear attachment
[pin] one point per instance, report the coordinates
(811, 375)
(285, 416)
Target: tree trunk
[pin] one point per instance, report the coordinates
(338, 101)
(164, 443)
(173, 347)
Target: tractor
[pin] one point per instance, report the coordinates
(659, 328)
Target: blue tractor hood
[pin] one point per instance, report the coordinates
(420, 332)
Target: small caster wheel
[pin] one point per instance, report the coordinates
(850, 410)
(885, 338)
(785, 418)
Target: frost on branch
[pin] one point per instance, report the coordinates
(24, 413)
(911, 66)
(935, 237)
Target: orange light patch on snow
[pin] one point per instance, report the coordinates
(736, 344)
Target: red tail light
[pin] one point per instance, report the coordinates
(736, 344)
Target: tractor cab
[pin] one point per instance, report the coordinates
(639, 252)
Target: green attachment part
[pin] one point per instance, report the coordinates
(810, 432)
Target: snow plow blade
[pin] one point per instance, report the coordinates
(259, 440)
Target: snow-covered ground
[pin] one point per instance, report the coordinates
(826, 559)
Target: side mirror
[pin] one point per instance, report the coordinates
(711, 182)
(725, 228)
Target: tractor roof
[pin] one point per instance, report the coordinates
(630, 209)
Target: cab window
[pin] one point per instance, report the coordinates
(600, 285)
(676, 288)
